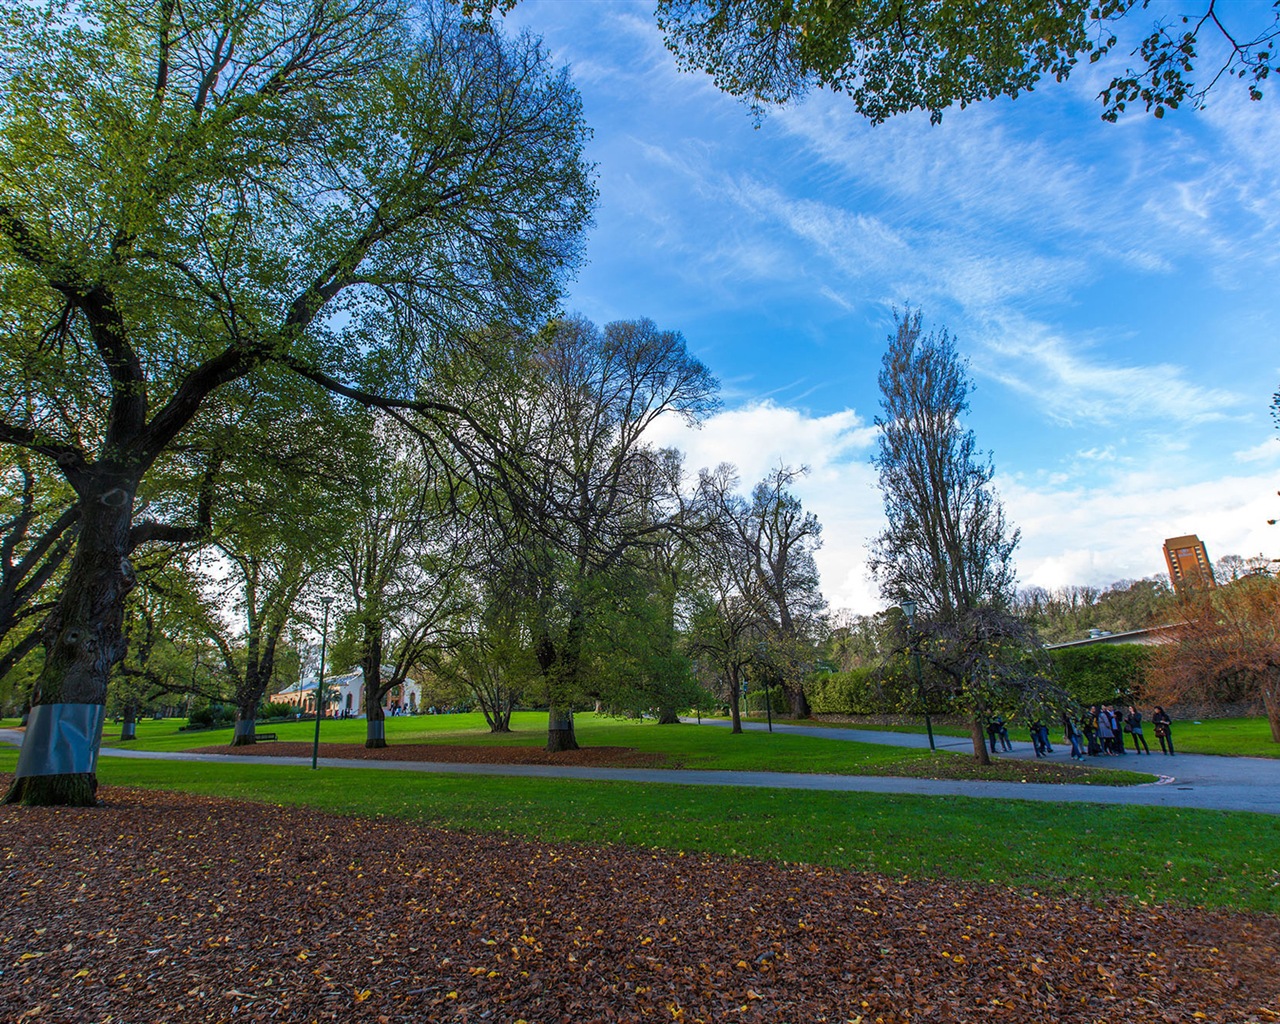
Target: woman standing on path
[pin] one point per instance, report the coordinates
(1133, 723)
(1072, 735)
(1162, 722)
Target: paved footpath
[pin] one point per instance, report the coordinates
(1188, 780)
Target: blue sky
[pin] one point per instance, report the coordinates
(1113, 287)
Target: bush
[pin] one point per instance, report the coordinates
(271, 709)
(777, 702)
(856, 692)
(213, 715)
(1102, 673)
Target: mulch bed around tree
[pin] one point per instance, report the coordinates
(162, 907)
(586, 757)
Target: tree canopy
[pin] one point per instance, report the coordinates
(891, 56)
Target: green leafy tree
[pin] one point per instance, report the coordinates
(489, 654)
(1070, 612)
(891, 57)
(191, 192)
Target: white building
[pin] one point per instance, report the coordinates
(344, 694)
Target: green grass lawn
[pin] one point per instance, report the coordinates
(687, 746)
(684, 746)
(1203, 858)
(1241, 737)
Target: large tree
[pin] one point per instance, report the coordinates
(780, 540)
(189, 192)
(729, 624)
(594, 491)
(403, 563)
(947, 543)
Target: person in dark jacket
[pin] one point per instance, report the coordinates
(1091, 731)
(1162, 722)
(1073, 737)
(1133, 723)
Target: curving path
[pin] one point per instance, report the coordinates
(1188, 780)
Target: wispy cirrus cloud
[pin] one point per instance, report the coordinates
(1073, 387)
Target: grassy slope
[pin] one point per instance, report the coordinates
(1204, 858)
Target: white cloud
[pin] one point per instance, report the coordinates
(1103, 533)
(840, 487)
(1036, 361)
(1267, 451)
(1096, 533)
(762, 435)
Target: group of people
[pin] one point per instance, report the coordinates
(1101, 732)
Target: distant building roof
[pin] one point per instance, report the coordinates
(1152, 635)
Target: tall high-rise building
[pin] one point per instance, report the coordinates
(1188, 562)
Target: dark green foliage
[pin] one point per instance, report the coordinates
(212, 715)
(1102, 673)
(777, 701)
(845, 693)
(933, 54)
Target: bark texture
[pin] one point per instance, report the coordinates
(83, 636)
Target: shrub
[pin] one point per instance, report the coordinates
(212, 715)
(777, 702)
(1102, 673)
(856, 692)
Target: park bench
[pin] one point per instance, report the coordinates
(264, 737)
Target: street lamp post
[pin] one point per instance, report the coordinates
(324, 638)
(908, 606)
(195, 667)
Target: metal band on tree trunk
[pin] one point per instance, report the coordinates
(376, 729)
(61, 739)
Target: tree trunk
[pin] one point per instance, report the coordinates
(375, 719)
(246, 726)
(560, 735)
(375, 729)
(980, 752)
(83, 639)
(129, 728)
(1271, 699)
(501, 721)
(560, 668)
(668, 716)
(735, 713)
(798, 701)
